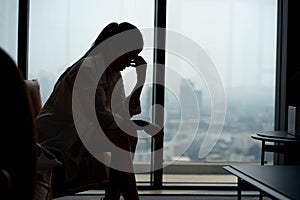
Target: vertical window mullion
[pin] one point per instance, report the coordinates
(158, 87)
(23, 30)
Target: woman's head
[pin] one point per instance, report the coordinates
(123, 41)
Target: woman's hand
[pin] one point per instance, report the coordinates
(139, 60)
(141, 68)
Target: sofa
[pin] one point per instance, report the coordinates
(92, 174)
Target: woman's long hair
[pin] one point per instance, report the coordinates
(113, 29)
(108, 31)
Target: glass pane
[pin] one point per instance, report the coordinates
(61, 31)
(9, 27)
(239, 38)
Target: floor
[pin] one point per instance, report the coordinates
(185, 194)
(168, 198)
(171, 195)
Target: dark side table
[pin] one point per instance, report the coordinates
(277, 182)
(284, 143)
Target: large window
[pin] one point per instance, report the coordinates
(239, 36)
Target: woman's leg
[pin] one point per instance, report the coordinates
(122, 179)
